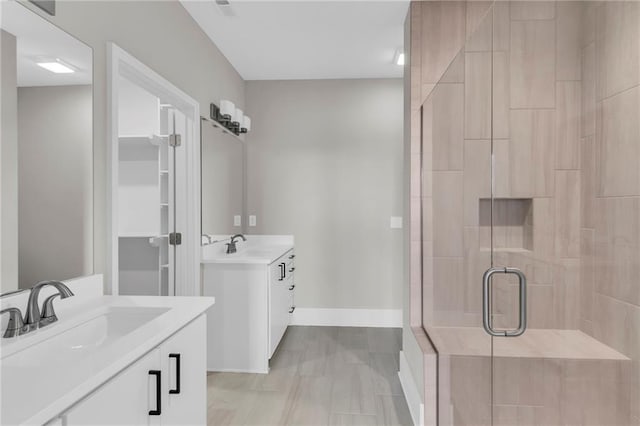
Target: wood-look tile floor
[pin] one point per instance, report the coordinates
(319, 376)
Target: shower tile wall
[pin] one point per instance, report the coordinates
(610, 181)
(566, 108)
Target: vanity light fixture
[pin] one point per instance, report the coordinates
(230, 117)
(56, 66)
(399, 58)
(246, 124)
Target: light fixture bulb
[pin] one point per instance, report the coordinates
(400, 59)
(56, 66)
(238, 117)
(227, 109)
(246, 124)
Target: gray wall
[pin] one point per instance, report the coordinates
(163, 36)
(54, 183)
(324, 163)
(8, 164)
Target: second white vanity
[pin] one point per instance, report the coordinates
(254, 290)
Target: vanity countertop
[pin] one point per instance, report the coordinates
(258, 249)
(45, 372)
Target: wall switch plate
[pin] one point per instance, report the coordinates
(237, 220)
(396, 222)
(252, 220)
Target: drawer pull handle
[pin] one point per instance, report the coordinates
(292, 269)
(292, 287)
(283, 269)
(292, 256)
(293, 308)
(177, 389)
(158, 409)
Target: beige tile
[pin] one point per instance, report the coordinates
(544, 229)
(568, 39)
(617, 252)
(501, 26)
(427, 135)
(415, 175)
(444, 25)
(477, 178)
(471, 389)
(500, 90)
(519, 381)
(532, 153)
(449, 284)
(587, 273)
(311, 402)
(617, 146)
(568, 105)
(338, 419)
(501, 169)
(455, 71)
(540, 311)
(616, 324)
(532, 64)
(352, 392)
(567, 222)
(479, 27)
(532, 10)
(588, 182)
(588, 117)
(448, 112)
(392, 410)
(589, 12)
(448, 213)
(476, 262)
(477, 95)
(618, 47)
(566, 283)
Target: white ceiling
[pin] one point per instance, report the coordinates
(305, 39)
(38, 38)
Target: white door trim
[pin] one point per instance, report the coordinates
(122, 64)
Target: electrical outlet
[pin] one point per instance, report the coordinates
(237, 220)
(252, 220)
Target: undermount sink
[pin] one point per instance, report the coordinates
(84, 339)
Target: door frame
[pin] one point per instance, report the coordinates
(122, 64)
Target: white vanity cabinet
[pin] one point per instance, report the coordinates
(254, 302)
(167, 386)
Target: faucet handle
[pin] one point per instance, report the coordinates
(15, 326)
(48, 313)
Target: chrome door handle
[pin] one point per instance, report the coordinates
(486, 302)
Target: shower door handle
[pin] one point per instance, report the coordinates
(486, 302)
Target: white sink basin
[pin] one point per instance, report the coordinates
(83, 340)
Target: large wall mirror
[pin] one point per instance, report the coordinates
(223, 183)
(46, 158)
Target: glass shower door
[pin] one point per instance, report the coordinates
(563, 213)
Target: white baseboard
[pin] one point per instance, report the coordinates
(348, 317)
(411, 394)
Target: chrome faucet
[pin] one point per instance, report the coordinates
(15, 326)
(33, 318)
(231, 246)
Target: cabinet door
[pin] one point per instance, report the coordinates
(124, 400)
(184, 359)
(278, 313)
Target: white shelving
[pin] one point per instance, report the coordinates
(144, 186)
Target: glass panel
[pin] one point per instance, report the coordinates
(566, 211)
(456, 207)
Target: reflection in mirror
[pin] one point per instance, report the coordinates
(46, 153)
(222, 181)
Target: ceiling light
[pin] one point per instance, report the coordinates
(399, 59)
(56, 66)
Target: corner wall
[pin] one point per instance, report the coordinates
(324, 163)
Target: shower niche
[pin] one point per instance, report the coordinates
(512, 220)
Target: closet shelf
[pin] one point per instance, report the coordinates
(132, 140)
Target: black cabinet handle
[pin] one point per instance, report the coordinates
(292, 269)
(283, 268)
(292, 287)
(158, 409)
(292, 256)
(177, 389)
(293, 308)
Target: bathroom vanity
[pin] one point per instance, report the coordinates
(254, 290)
(109, 360)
